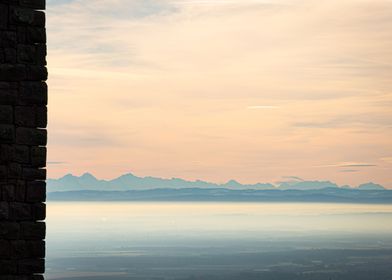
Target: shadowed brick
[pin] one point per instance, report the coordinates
(36, 191)
(8, 192)
(33, 231)
(19, 211)
(31, 266)
(8, 266)
(34, 173)
(23, 115)
(7, 133)
(33, 93)
(6, 114)
(35, 4)
(9, 230)
(31, 136)
(38, 156)
(39, 211)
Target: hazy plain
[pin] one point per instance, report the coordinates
(158, 240)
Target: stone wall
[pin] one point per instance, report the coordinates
(23, 119)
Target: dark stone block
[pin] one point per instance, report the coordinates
(3, 171)
(33, 93)
(8, 266)
(19, 211)
(6, 114)
(22, 277)
(40, 55)
(21, 16)
(33, 231)
(31, 116)
(6, 154)
(8, 96)
(26, 16)
(8, 192)
(14, 153)
(5, 249)
(38, 156)
(8, 277)
(3, 16)
(35, 4)
(10, 55)
(37, 73)
(31, 136)
(25, 116)
(36, 191)
(13, 72)
(39, 211)
(8, 39)
(2, 56)
(39, 19)
(21, 154)
(18, 248)
(35, 249)
(14, 170)
(20, 190)
(32, 54)
(13, 277)
(21, 37)
(22, 249)
(30, 266)
(26, 54)
(9, 230)
(41, 116)
(35, 35)
(34, 173)
(4, 211)
(8, 85)
(7, 133)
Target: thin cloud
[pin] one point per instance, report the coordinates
(293, 178)
(262, 107)
(348, 164)
(56, 162)
(379, 120)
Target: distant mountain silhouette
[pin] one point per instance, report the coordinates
(370, 186)
(334, 195)
(306, 185)
(129, 182)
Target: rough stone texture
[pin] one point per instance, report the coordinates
(23, 119)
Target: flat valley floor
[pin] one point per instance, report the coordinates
(208, 241)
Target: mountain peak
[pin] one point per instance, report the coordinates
(370, 186)
(67, 176)
(232, 183)
(87, 175)
(128, 174)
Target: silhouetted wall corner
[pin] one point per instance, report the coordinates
(23, 136)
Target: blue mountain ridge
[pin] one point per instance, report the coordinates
(129, 182)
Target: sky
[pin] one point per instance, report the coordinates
(250, 90)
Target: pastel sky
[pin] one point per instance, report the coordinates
(250, 90)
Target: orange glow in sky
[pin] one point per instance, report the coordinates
(219, 90)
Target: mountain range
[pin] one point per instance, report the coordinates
(129, 182)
